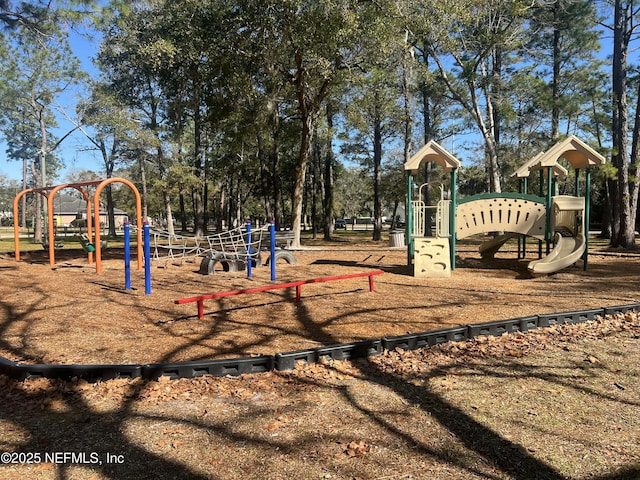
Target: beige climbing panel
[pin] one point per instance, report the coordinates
(431, 258)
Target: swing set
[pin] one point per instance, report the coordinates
(90, 242)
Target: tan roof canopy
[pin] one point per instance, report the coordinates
(534, 164)
(432, 152)
(575, 151)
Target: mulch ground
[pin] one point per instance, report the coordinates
(70, 314)
(557, 403)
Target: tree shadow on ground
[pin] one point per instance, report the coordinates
(405, 270)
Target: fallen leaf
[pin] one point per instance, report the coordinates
(356, 449)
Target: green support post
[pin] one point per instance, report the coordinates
(587, 215)
(541, 193)
(452, 216)
(547, 234)
(409, 220)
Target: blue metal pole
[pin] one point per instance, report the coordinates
(272, 248)
(249, 272)
(127, 256)
(147, 260)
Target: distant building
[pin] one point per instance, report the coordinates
(71, 211)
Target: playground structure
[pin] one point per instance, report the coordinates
(233, 250)
(233, 245)
(297, 284)
(561, 220)
(525, 217)
(90, 242)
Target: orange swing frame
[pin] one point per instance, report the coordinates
(50, 192)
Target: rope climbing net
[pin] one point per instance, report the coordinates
(232, 244)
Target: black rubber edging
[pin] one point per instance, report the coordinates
(289, 360)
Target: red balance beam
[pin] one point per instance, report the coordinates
(298, 284)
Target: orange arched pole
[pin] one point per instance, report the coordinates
(43, 191)
(16, 228)
(96, 209)
(56, 189)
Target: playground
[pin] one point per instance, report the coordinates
(471, 266)
(555, 403)
(70, 314)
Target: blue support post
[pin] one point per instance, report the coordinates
(127, 256)
(147, 259)
(249, 271)
(272, 248)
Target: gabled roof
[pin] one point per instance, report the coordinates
(432, 152)
(575, 151)
(534, 164)
(68, 204)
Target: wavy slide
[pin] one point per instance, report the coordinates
(568, 250)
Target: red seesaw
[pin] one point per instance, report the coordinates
(298, 284)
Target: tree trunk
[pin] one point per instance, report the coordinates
(496, 93)
(111, 217)
(624, 237)
(143, 180)
(607, 220)
(23, 214)
(555, 88)
(199, 226)
(38, 200)
(183, 211)
(308, 125)
(264, 175)
(41, 204)
(635, 147)
(328, 177)
(275, 174)
(166, 199)
(315, 180)
(427, 137)
(377, 180)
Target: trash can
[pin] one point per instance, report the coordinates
(396, 238)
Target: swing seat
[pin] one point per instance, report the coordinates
(86, 244)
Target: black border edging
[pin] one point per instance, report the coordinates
(217, 368)
(427, 339)
(621, 309)
(499, 327)
(289, 360)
